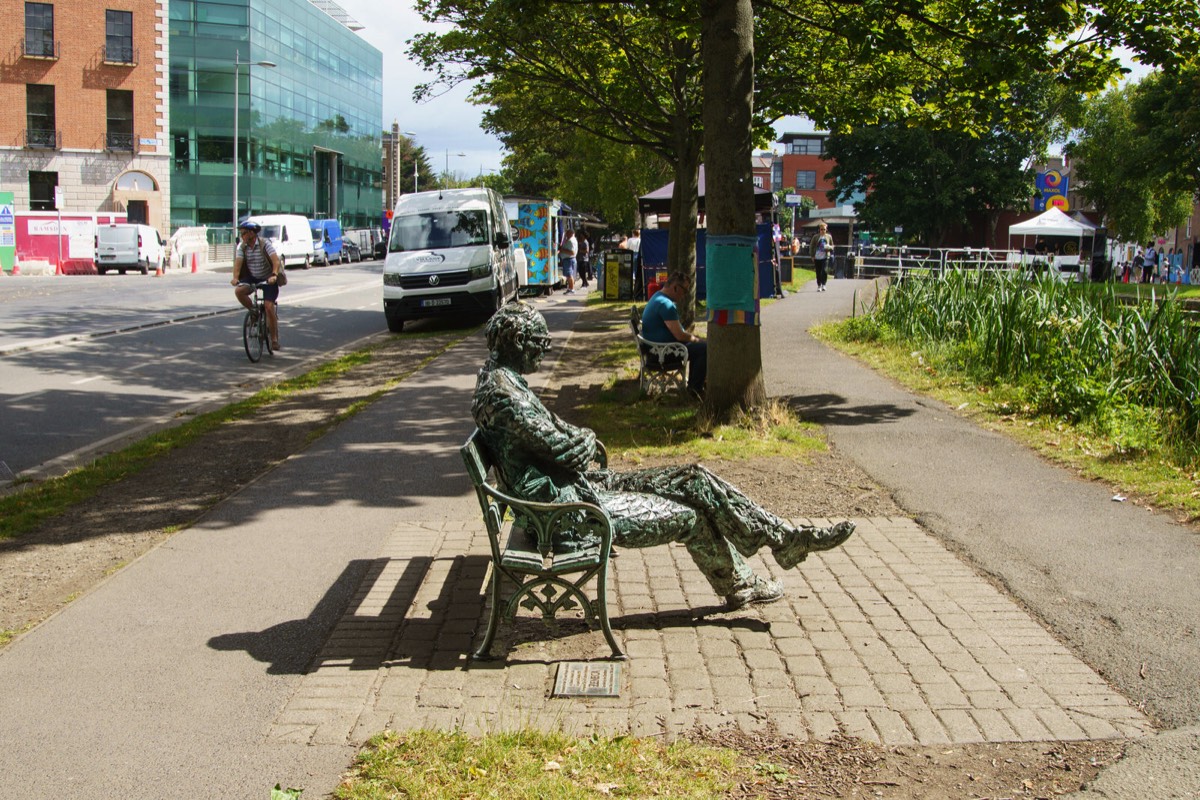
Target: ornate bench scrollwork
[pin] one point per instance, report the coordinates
(662, 365)
(542, 576)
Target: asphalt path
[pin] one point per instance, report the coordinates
(89, 363)
(1115, 581)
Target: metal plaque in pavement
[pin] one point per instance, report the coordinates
(587, 679)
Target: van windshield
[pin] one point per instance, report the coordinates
(438, 230)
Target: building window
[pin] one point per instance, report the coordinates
(806, 179)
(41, 190)
(807, 147)
(758, 181)
(39, 30)
(39, 117)
(118, 37)
(120, 120)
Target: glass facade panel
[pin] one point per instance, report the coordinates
(309, 129)
(807, 147)
(806, 179)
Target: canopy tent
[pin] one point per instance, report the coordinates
(659, 201)
(1052, 223)
(1069, 244)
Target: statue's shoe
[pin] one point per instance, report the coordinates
(762, 591)
(809, 539)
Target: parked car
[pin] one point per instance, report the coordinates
(327, 241)
(289, 235)
(124, 247)
(350, 250)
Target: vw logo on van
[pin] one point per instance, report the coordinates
(434, 280)
(431, 258)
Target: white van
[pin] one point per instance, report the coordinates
(450, 251)
(290, 235)
(123, 246)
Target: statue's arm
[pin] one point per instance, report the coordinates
(542, 434)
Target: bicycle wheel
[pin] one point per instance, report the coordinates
(251, 337)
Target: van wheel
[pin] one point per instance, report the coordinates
(307, 262)
(145, 269)
(101, 270)
(395, 324)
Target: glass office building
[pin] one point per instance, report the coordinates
(310, 104)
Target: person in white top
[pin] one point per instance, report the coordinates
(568, 249)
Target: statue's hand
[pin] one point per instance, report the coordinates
(578, 451)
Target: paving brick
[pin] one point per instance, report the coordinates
(926, 726)
(891, 726)
(1027, 726)
(858, 725)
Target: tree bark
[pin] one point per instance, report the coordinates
(735, 380)
(681, 245)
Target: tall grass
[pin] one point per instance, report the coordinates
(1084, 356)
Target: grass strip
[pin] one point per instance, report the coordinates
(33, 503)
(516, 765)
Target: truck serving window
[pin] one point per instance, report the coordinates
(439, 230)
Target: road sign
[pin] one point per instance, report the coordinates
(792, 199)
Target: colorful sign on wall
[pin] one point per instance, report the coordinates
(8, 232)
(1052, 191)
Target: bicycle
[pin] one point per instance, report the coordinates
(254, 328)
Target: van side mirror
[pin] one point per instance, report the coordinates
(502, 239)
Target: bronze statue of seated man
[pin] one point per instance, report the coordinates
(541, 457)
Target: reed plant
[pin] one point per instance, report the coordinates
(1130, 369)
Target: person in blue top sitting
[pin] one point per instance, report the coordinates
(660, 323)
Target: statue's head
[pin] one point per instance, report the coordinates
(518, 338)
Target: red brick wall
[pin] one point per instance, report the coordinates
(80, 76)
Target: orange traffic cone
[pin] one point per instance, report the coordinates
(193, 262)
(16, 268)
(158, 270)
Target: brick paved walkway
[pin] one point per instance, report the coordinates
(890, 638)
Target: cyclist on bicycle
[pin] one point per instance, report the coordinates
(255, 262)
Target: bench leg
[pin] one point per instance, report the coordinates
(483, 652)
(602, 613)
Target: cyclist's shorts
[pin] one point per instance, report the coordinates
(270, 290)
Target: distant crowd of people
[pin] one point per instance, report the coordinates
(1150, 265)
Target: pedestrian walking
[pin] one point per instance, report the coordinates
(821, 248)
(1149, 263)
(585, 257)
(568, 250)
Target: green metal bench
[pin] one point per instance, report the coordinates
(661, 365)
(525, 560)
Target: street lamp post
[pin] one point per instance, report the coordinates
(237, 79)
(456, 155)
(414, 155)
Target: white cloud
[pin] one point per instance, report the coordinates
(445, 124)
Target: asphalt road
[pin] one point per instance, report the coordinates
(91, 362)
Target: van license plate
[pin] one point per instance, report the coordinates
(436, 301)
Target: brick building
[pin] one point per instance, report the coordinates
(803, 170)
(86, 86)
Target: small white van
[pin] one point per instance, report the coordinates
(123, 247)
(450, 251)
(290, 235)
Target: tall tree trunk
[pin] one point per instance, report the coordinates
(681, 246)
(735, 379)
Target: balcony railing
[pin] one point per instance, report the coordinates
(121, 54)
(43, 139)
(39, 48)
(119, 142)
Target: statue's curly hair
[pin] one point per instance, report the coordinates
(510, 327)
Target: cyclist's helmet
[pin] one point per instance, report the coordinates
(249, 225)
